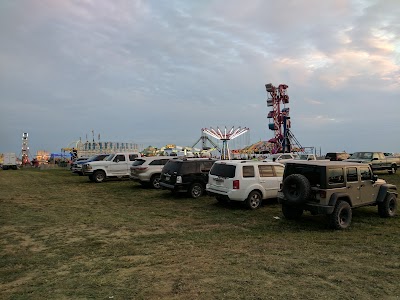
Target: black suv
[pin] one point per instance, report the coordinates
(186, 175)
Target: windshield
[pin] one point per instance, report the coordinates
(302, 157)
(110, 157)
(362, 155)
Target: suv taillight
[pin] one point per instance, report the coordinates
(322, 194)
(236, 184)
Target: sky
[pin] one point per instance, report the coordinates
(157, 72)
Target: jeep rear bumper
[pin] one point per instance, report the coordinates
(318, 209)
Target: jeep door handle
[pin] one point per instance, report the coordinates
(262, 181)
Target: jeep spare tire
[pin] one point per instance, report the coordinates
(296, 188)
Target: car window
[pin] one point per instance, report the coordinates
(365, 173)
(138, 162)
(351, 174)
(119, 157)
(164, 161)
(279, 170)
(266, 171)
(172, 166)
(248, 171)
(156, 162)
(205, 166)
(335, 175)
(188, 168)
(132, 157)
(223, 170)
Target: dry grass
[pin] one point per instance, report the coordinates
(63, 237)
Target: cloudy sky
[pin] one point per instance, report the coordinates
(156, 72)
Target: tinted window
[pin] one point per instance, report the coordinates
(266, 171)
(279, 171)
(172, 166)
(223, 170)
(335, 176)
(155, 162)
(352, 174)
(100, 157)
(119, 157)
(189, 168)
(138, 162)
(248, 171)
(132, 157)
(365, 173)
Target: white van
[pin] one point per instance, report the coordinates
(245, 180)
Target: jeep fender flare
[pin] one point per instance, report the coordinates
(339, 196)
(384, 189)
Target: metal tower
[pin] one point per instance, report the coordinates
(283, 140)
(25, 150)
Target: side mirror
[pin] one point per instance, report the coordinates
(374, 178)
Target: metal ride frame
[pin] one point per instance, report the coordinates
(283, 140)
(225, 136)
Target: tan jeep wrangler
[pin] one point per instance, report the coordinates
(334, 188)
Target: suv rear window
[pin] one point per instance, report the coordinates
(223, 170)
(138, 162)
(172, 166)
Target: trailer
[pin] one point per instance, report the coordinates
(10, 161)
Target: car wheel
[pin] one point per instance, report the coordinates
(292, 212)
(341, 216)
(196, 190)
(91, 178)
(392, 170)
(254, 200)
(155, 181)
(296, 188)
(99, 176)
(388, 207)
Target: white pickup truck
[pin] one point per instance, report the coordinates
(115, 165)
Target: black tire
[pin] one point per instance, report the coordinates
(388, 207)
(392, 169)
(91, 178)
(292, 212)
(196, 190)
(296, 188)
(254, 200)
(155, 181)
(341, 216)
(99, 176)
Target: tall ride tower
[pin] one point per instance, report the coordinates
(25, 149)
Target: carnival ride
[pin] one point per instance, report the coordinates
(25, 154)
(225, 136)
(283, 140)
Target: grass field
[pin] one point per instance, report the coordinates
(64, 237)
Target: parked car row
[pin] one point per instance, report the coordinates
(327, 187)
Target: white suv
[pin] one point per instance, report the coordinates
(147, 170)
(245, 180)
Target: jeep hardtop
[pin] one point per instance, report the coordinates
(334, 188)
